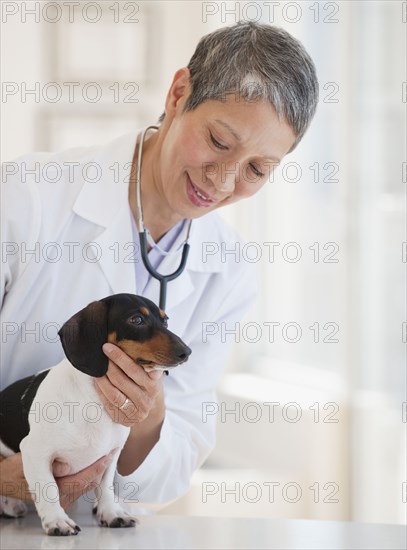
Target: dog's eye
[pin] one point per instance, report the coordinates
(136, 320)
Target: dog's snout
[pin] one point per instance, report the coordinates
(186, 352)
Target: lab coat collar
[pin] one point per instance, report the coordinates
(105, 203)
(101, 201)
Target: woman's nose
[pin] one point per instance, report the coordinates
(223, 176)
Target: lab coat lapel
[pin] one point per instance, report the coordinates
(113, 248)
(116, 248)
(105, 203)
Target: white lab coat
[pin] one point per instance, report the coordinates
(56, 212)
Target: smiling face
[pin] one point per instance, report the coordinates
(218, 153)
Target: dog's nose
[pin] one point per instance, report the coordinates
(186, 353)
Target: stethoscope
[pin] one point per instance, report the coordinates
(145, 236)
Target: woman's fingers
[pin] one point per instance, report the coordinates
(13, 483)
(127, 392)
(60, 469)
(107, 396)
(73, 486)
(155, 374)
(126, 364)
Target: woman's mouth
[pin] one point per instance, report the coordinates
(197, 196)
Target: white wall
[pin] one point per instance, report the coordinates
(354, 206)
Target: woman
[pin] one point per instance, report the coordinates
(244, 101)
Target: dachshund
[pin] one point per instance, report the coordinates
(137, 326)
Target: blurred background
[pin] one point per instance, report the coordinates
(311, 421)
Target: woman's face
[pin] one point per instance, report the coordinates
(219, 153)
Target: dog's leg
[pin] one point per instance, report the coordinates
(44, 490)
(109, 512)
(12, 507)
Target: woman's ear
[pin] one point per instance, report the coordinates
(83, 336)
(179, 92)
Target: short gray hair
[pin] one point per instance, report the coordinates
(255, 62)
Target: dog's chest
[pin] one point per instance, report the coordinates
(85, 442)
(68, 419)
(86, 424)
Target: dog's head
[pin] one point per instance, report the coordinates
(133, 323)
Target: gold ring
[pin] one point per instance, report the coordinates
(127, 401)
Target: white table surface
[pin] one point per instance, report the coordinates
(205, 533)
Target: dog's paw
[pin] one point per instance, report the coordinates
(60, 527)
(12, 508)
(115, 517)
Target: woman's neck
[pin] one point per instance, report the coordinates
(157, 216)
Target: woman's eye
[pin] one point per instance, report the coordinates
(217, 144)
(256, 171)
(136, 320)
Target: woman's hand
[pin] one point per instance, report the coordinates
(13, 483)
(145, 411)
(125, 379)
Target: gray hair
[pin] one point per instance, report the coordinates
(255, 62)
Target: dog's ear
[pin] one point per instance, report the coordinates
(83, 336)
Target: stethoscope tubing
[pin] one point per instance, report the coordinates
(163, 279)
